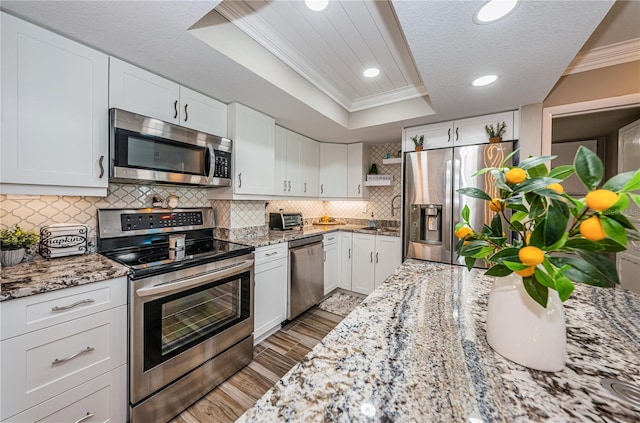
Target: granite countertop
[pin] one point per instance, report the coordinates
(36, 277)
(415, 351)
(276, 237)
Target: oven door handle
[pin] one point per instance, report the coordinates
(182, 284)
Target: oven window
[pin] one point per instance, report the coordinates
(137, 151)
(176, 323)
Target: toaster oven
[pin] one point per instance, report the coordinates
(285, 221)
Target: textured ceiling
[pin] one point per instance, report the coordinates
(530, 51)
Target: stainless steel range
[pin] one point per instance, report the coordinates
(190, 305)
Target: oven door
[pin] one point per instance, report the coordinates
(181, 319)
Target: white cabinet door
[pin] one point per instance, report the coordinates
(388, 257)
(358, 155)
(280, 161)
(331, 261)
(270, 293)
(471, 131)
(346, 258)
(333, 170)
(362, 266)
(437, 135)
(309, 167)
(55, 120)
(202, 113)
(253, 137)
(294, 183)
(139, 91)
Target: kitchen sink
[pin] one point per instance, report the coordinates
(381, 229)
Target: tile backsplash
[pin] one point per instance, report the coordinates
(33, 212)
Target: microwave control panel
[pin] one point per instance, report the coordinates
(222, 165)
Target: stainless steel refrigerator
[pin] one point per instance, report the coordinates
(431, 204)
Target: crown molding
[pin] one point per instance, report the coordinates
(613, 54)
(389, 97)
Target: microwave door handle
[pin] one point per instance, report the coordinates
(208, 163)
(182, 284)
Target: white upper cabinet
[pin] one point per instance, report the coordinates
(359, 156)
(288, 146)
(460, 132)
(333, 170)
(309, 167)
(253, 135)
(55, 120)
(139, 91)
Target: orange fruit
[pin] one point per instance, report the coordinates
(463, 232)
(601, 199)
(515, 175)
(556, 187)
(531, 256)
(526, 272)
(496, 205)
(591, 229)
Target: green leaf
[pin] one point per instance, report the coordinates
(469, 262)
(614, 230)
(562, 172)
(483, 252)
(621, 219)
(549, 193)
(518, 216)
(496, 225)
(475, 193)
(506, 159)
(537, 236)
(538, 171)
(532, 162)
(514, 265)
(611, 246)
(564, 287)
(619, 181)
(555, 225)
(588, 167)
(498, 270)
(500, 180)
(620, 205)
(465, 213)
(536, 207)
(559, 244)
(534, 184)
(507, 253)
(482, 171)
(634, 182)
(537, 291)
(583, 244)
(605, 267)
(635, 198)
(580, 271)
(544, 279)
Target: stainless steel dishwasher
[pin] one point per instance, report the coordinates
(306, 278)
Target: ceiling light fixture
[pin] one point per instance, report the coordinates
(484, 80)
(317, 5)
(371, 72)
(493, 10)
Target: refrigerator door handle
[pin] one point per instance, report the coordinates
(448, 194)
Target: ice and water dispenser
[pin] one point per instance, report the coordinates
(426, 223)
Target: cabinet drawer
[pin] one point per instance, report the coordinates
(24, 315)
(330, 239)
(103, 399)
(270, 253)
(41, 364)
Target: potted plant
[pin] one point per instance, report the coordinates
(559, 243)
(13, 243)
(418, 141)
(495, 134)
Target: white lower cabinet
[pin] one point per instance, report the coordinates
(66, 340)
(346, 259)
(375, 257)
(331, 261)
(270, 293)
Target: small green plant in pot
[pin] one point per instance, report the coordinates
(495, 134)
(418, 141)
(13, 243)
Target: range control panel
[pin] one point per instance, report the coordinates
(137, 221)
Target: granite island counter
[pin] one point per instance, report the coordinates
(416, 351)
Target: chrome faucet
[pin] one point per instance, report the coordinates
(392, 207)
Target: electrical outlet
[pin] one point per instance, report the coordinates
(364, 207)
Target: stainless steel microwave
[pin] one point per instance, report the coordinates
(148, 150)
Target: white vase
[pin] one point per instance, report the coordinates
(11, 257)
(521, 330)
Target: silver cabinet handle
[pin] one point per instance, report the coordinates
(289, 186)
(331, 239)
(271, 254)
(305, 187)
(376, 257)
(358, 188)
(72, 356)
(175, 109)
(186, 113)
(349, 253)
(321, 188)
(240, 180)
(449, 135)
(101, 167)
(88, 416)
(457, 134)
(371, 257)
(77, 303)
(284, 186)
(324, 254)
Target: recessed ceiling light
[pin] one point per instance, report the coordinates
(317, 5)
(484, 80)
(371, 72)
(493, 10)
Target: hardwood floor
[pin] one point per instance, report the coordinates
(272, 359)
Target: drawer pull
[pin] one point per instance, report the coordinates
(71, 357)
(271, 254)
(87, 301)
(88, 416)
